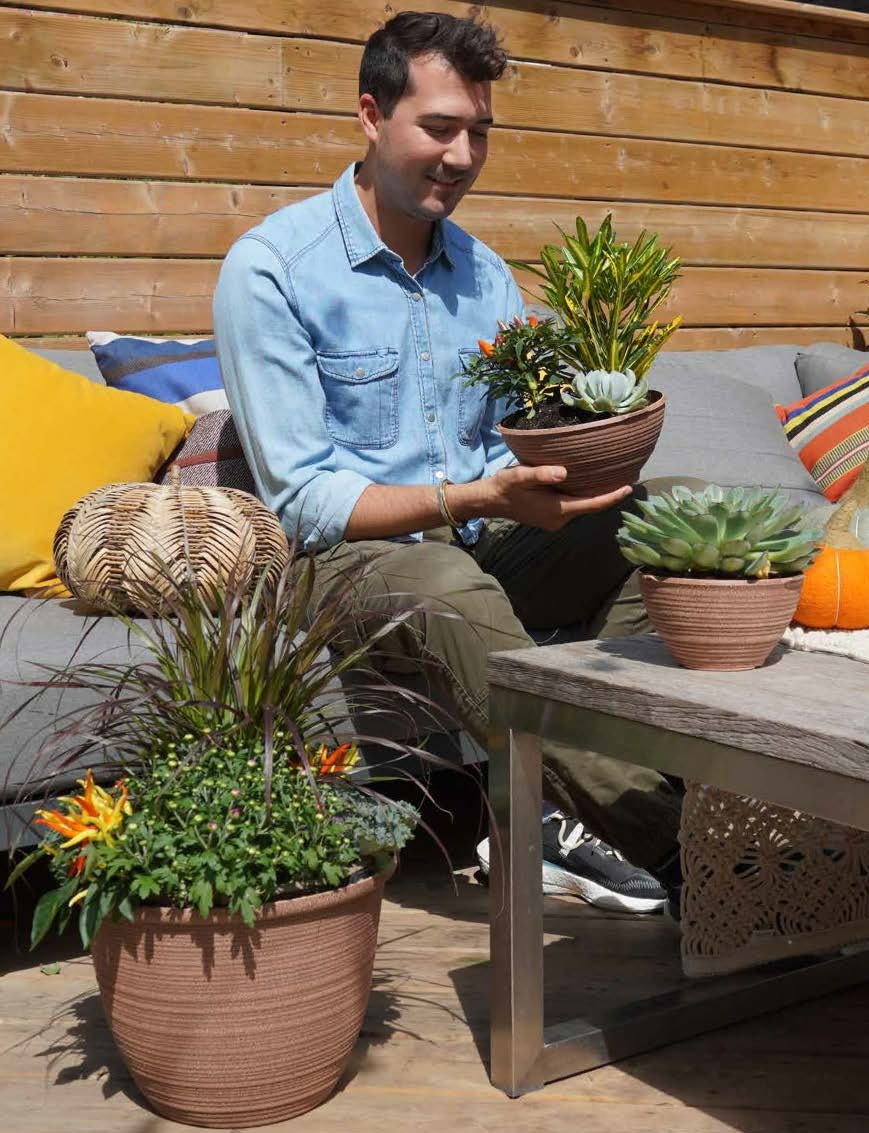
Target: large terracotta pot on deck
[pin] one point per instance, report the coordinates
(599, 456)
(720, 623)
(225, 1026)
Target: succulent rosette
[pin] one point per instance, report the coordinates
(732, 532)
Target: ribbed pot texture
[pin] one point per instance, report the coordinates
(599, 456)
(720, 623)
(225, 1026)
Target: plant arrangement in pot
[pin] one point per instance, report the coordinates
(721, 570)
(229, 885)
(577, 386)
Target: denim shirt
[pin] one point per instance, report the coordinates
(342, 370)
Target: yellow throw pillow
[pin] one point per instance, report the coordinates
(61, 436)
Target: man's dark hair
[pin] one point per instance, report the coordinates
(471, 48)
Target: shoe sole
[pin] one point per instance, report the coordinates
(559, 882)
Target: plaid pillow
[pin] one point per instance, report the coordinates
(830, 431)
(183, 371)
(212, 456)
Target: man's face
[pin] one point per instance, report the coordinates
(432, 148)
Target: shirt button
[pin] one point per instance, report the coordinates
(425, 356)
(431, 418)
(360, 373)
(439, 475)
(416, 296)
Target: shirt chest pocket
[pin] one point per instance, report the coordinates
(361, 391)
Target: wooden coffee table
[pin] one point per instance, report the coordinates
(794, 733)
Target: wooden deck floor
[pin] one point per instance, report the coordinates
(421, 1061)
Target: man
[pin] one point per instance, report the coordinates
(341, 326)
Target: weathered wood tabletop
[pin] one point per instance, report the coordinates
(806, 708)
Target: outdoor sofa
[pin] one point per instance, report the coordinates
(720, 425)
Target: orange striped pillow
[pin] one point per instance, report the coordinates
(830, 431)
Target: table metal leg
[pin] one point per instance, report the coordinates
(516, 916)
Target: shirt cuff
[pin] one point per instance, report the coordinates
(330, 500)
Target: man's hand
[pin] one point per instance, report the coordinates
(531, 496)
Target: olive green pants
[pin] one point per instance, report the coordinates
(469, 602)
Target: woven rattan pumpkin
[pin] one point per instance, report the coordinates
(835, 592)
(122, 546)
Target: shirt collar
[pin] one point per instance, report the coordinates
(360, 239)
(440, 245)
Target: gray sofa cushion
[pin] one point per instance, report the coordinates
(38, 631)
(726, 432)
(826, 362)
(79, 361)
(770, 368)
(35, 634)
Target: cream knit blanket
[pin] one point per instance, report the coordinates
(847, 642)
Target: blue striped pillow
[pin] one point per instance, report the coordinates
(182, 371)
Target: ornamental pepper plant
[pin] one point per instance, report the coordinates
(233, 788)
(523, 365)
(194, 830)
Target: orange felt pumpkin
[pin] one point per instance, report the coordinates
(835, 592)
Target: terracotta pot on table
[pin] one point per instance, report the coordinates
(720, 623)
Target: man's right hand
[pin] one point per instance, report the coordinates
(531, 496)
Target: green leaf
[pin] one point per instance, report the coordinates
(246, 909)
(145, 886)
(47, 908)
(202, 896)
(23, 865)
(334, 874)
(106, 905)
(125, 908)
(63, 917)
(89, 919)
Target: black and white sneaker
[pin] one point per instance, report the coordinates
(577, 864)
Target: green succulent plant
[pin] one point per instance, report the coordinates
(603, 392)
(606, 293)
(745, 532)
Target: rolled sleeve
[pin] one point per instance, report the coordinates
(269, 369)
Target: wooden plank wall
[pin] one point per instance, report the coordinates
(140, 137)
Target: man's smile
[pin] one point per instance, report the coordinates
(446, 183)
